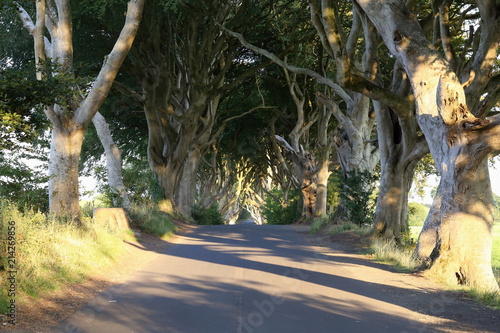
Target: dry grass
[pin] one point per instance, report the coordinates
(399, 256)
(51, 254)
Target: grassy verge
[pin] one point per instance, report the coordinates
(323, 223)
(401, 258)
(150, 219)
(49, 254)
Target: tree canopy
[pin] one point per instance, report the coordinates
(230, 104)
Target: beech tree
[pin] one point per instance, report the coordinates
(452, 98)
(182, 61)
(353, 141)
(363, 77)
(52, 33)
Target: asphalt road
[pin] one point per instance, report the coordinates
(242, 279)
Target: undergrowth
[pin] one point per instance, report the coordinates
(49, 254)
(397, 255)
(324, 224)
(150, 219)
(491, 299)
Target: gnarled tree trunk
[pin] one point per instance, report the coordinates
(460, 143)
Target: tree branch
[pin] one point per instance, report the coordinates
(109, 70)
(305, 71)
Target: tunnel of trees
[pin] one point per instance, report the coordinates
(240, 107)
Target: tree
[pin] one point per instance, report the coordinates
(69, 120)
(113, 162)
(451, 113)
(398, 142)
(182, 62)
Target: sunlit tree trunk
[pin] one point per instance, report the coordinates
(400, 150)
(113, 162)
(65, 151)
(54, 20)
(460, 142)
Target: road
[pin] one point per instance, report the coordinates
(242, 279)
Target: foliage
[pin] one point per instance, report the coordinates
(51, 254)
(21, 95)
(425, 168)
(417, 213)
(26, 184)
(245, 215)
(357, 189)
(496, 208)
(333, 191)
(278, 212)
(140, 182)
(495, 253)
(207, 216)
(88, 206)
(150, 219)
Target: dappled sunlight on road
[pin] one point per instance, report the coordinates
(252, 279)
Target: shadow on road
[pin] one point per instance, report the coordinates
(247, 278)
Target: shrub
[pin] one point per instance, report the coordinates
(207, 216)
(279, 212)
(318, 224)
(357, 196)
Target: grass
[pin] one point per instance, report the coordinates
(489, 299)
(150, 219)
(323, 223)
(399, 257)
(495, 254)
(51, 254)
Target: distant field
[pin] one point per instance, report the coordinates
(495, 260)
(495, 256)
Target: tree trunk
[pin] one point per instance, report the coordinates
(459, 143)
(185, 193)
(392, 203)
(464, 237)
(428, 237)
(113, 162)
(69, 123)
(65, 151)
(400, 150)
(309, 186)
(322, 188)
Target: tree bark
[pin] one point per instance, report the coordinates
(459, 143)
(400, 150)
(69, 123)
(65, 151)
(113, 162)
